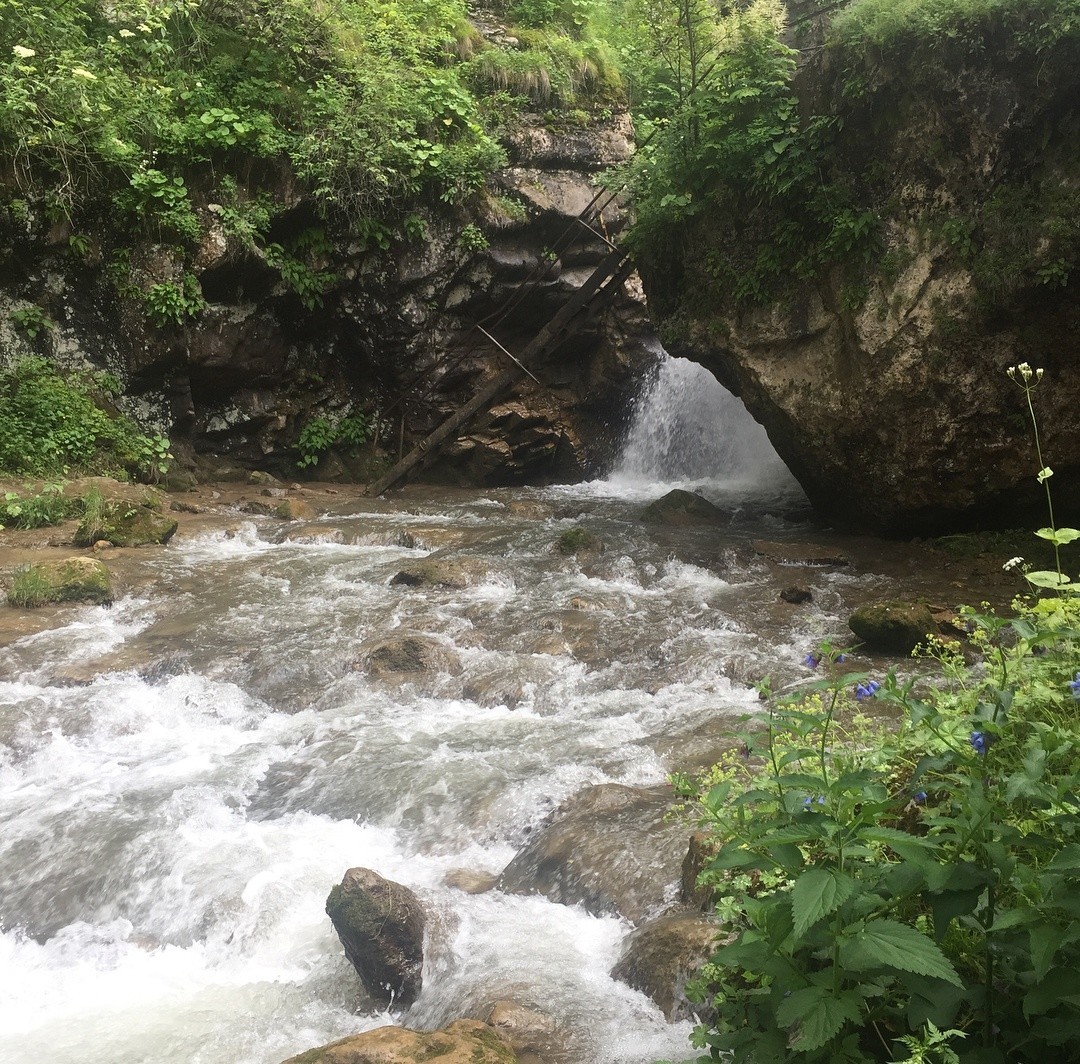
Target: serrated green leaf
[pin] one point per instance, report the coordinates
(1067, 857)
(819, 1013)
(1059, 985)
(817, 893)
(888, 944)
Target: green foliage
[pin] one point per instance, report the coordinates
(914, 888)
(47, 507)
(298, 266)
(471, 239)
(320, 434)
(31, 320)
(30, 588)
(168, 303)
(50, 424)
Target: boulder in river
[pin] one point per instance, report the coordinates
(461, 1042)
(381, 926)
(294, 510)
(406, 655)
(127, 515)
(660, 956)
(679, 508)
(578, 540)
(610, 849)
(68, 580)
(893, 627)
(456, 574)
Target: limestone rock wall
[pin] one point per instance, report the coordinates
(886, 394)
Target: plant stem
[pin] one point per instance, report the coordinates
(1046, 481)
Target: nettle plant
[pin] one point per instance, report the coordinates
(908, 893)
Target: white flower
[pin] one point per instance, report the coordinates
(125, 33)
(1012, 563)
(23, 52)
(82, 72)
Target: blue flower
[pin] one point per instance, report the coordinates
(812, 660)
(980, 742)
(808, 801)
(1074, 686)
(866, 690)
(919, 797)
(840, 658)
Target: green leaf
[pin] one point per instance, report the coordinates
(1068, 857)
(888, 944)
(817, 893)
(1060, 536)
(819, 1014)
(1059, 985)
(947, 905)
(1045, 940)
(1047, 578)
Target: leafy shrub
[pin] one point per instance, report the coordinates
(31, 320)
(47, 507)
(915, 888)
(320, 434)
(50, 424)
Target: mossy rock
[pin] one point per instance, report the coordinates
(679, 508)
(455, 574)
(578, 540)
(70, 580)
(893, 627)
(381, 927)
(461, 1042)
(294, 510)
(125, 526)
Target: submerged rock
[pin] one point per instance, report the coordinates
(678, 508)
(609, 849)
(578, 540)
(461, 1042)
(893, 627)
(381, 926)
(659, 957)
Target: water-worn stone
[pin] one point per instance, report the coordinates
(456, 574)
(381, 926)
(679, 508)
(610, 849)
(461, 1042)
(125, 526)
(409, 654)
(469, 881)
(71, 580)
(661, 955)
(294, 510)
(527, 1030)
(700, 850)
(892, 627)
(796, 594)
(788, 553)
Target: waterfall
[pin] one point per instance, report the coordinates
(687, 427)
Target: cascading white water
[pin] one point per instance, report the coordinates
(686, 426)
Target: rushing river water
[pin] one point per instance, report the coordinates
(184, 776)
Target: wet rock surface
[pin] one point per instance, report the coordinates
(609, 849)
(461, 1042)
(679, 508)
(661, 955)
(381, 927)
(893, 627)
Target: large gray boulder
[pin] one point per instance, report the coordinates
(679, 508)
(381, 926)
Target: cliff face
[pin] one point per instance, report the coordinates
(881, 381)
(356, 321)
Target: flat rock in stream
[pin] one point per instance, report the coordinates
(609, 849)
(461, 1042)
(68, 580)
(799, 553)
(408, 655)
(381, 926)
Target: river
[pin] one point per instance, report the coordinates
(185, 775)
